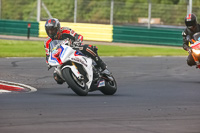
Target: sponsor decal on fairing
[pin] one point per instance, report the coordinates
(101, 83)
(79, 60)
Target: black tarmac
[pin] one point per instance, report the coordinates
(155, 95)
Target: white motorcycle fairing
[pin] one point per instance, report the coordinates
(61, 53)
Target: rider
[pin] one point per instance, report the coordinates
(55, 32)
(191, 28)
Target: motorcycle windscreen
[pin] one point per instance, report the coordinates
(196, 36)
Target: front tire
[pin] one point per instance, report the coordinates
(72, 81)
(110, 87)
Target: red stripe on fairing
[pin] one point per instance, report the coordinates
(10, 88)
(56, 55)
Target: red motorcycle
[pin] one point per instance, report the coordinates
(195, 45)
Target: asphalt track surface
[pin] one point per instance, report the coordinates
(155, 95)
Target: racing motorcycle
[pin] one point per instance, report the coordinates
(195, 51)
(79, 71)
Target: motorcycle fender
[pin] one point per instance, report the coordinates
(58, 71)
(110, 78)
(87, 67)
(74, 70)
(77, 74)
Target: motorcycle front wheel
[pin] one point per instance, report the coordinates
(79, 87)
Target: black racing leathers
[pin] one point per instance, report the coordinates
(187, 33)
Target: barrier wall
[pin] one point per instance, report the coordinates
(100, 32)
(143, 35)
(93, 32)
(18, 28)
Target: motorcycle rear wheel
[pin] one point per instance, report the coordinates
(110, 87)
(79, 87)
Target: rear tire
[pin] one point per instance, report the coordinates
(110, 87)
(71, 81)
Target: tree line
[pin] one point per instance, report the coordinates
(171, 12)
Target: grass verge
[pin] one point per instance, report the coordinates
(16, 48)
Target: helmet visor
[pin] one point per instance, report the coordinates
(51, 31)
(190, 23)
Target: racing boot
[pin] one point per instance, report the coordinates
(57, 78)
(105, 72)
(102, 65)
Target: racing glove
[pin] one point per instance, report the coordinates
(189, 49)
(76, 43)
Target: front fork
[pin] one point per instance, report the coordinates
(58, 71)
(59, 68)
